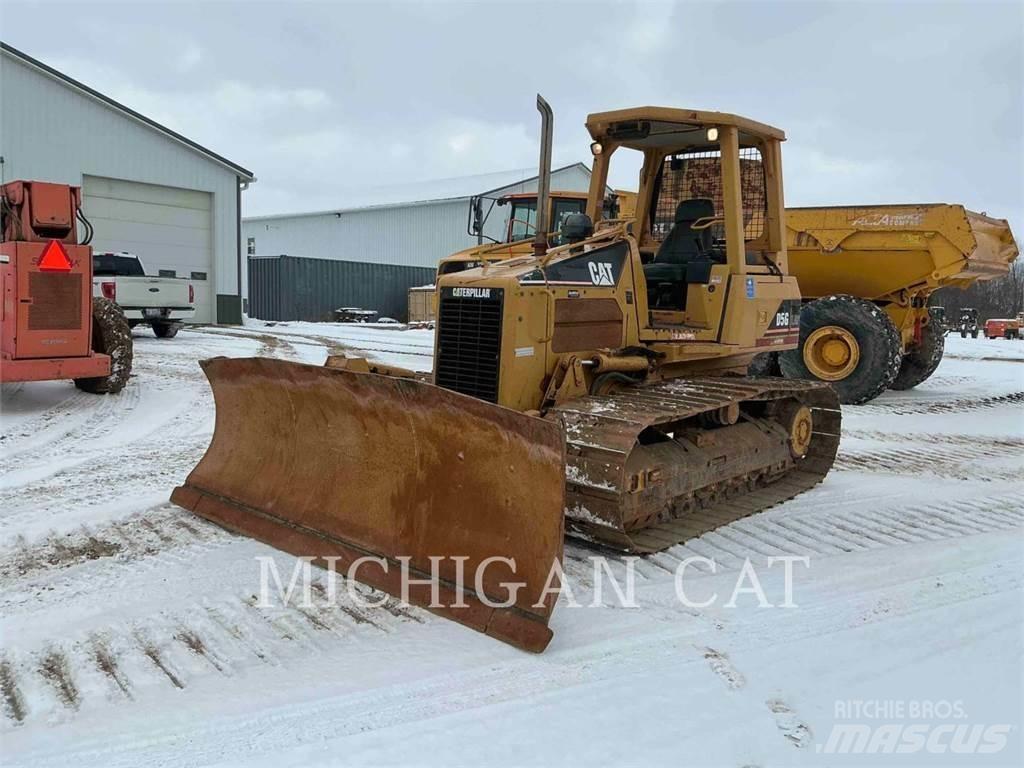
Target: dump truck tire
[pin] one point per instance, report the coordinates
(849, 343)
(765, 364)
(112, 336)
(921, 361)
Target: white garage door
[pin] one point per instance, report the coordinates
(168, 228)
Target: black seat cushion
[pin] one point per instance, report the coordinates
(691, 272)
(683, 243)
(664, 273)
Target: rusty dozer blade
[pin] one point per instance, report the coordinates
(329, 463)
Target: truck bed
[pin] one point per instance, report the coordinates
(881, 251)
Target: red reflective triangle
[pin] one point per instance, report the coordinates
(55, 258)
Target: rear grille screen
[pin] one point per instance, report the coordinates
(56, 301)
(469, 341)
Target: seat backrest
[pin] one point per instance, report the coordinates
(684, 243)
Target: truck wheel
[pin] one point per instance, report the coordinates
(847, 342)
(764, 364)
(110, 336)
(166, 330)
(921, 361)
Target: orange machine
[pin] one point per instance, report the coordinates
(50, 326)
(1005, 328)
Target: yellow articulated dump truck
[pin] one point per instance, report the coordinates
(596, 388)
(865, 273)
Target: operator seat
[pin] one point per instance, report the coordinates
(684, 256)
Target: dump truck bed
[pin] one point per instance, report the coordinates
(878, 252)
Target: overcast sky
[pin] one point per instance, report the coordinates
(881, 102)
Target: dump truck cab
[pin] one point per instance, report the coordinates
(695, 280)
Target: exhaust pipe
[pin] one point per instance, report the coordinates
(547, 127)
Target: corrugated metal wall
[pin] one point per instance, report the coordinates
(297, 288)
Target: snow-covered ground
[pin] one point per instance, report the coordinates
(131, 635)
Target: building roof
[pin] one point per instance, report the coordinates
(424, 192)
(127, 111)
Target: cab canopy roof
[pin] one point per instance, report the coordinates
(664, 127)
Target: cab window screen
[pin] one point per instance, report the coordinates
(695, 175)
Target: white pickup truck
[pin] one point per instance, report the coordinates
(162, 302)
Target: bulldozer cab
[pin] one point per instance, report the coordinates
(709, 214)
(698, 275)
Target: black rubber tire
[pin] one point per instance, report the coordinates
(963, 334)
(921, 361)
(974, 334)
(765, 364)
(112, 336)
(880, 349)
(166, 330)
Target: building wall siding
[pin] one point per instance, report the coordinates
(52, 132)
(418, 234)
(291, 288)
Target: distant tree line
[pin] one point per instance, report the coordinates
(1003, 297)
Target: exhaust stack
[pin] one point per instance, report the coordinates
(547, 127)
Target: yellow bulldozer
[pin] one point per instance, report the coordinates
(595, 388)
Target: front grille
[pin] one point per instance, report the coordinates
(56, 301)
(469, 341)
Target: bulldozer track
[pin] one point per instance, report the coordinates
(602, 432)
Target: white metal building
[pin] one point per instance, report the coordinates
(408, 225)
(146, 189)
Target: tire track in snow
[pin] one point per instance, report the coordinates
(785, 532)
(926, 440)
(173, 649)
(83, 423)
(904, 407)
(961, 461)
(490, 684)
